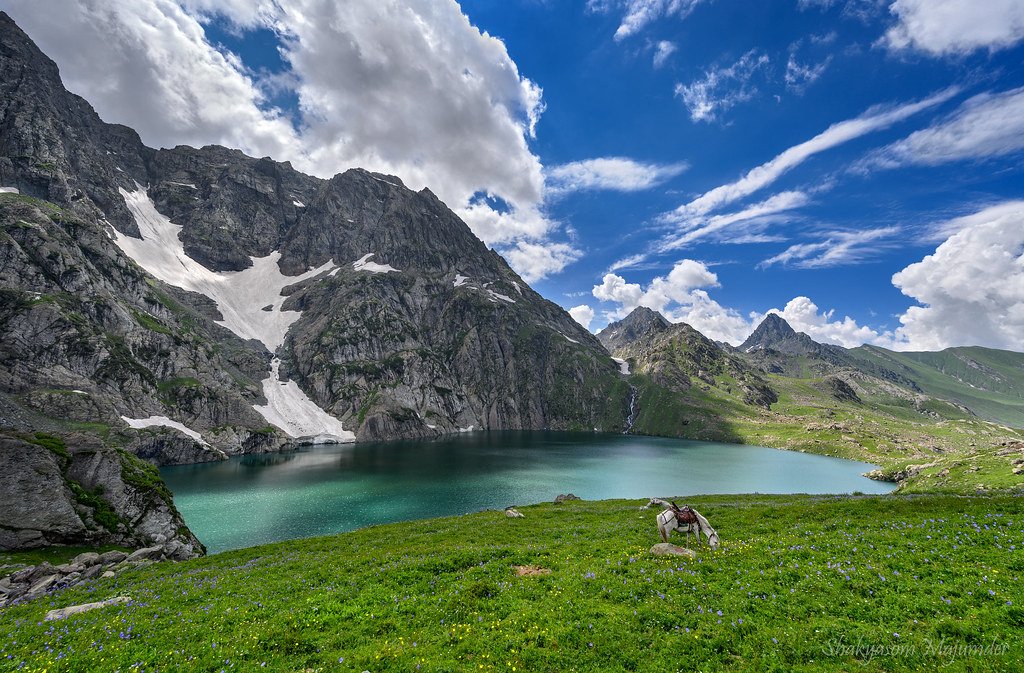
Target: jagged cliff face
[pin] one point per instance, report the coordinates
(92, 494)
(188, 304)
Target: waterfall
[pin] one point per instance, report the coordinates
(632, 411)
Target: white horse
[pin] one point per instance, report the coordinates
(683, 519)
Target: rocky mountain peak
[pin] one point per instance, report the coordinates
(774, 333)
(640, 323)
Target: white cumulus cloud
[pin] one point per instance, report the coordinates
(582, 314)
(971, 289)
(680, 296)
(408, 87)
(803, 315)
(955, 27)
(534, 260)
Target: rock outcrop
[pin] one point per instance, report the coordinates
(84, 492)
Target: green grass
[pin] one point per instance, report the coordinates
(799, 584)
(151, 323)
(961, 453)
(989, 381)
(10, 561)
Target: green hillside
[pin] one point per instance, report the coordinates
(989, 382)
(797, 584)
(925, 443)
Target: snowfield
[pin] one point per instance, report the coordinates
(289, 409)
(152, 421)
(240, 295)
(364, 264)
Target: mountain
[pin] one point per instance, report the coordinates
(188, 304)
(774, 333)
(640, 323)
(988, 381)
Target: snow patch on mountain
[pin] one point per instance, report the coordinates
(623, 366)
(9, 190)
(240, 295)
(292, 411)
(156, 421)
(363, 264)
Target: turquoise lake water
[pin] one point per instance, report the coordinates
(326, 489)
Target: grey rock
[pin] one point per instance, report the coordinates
(42, 585)
(565, 497)
(669, 549)
(34, 495)
(69, 568)
(146, 553)
(87, 559)
(64, 613)
(107, 574)
(514, 513)
(111, 557)
(91, 572)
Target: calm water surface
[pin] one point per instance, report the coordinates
(329, 489)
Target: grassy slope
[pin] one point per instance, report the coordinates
(796, 580)
(989, 381)
(949, 450)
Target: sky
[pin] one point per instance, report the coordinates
(853, 165)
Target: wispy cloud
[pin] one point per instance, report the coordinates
(800, 76)
(662, 50)
(611, 173)
(637, 14)
(837, 134)
(837, 248)
(987, 125)
(721, 88)
(701, 226)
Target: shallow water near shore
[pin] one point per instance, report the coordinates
(325, 489)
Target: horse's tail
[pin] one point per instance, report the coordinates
(706, 528)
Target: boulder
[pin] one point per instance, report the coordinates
(91, 572)
(42, 585)
(669, 549)
(563, 497)
(64, 613)
(107, 558)
(87, 559)
(513, 513)
(146, 554)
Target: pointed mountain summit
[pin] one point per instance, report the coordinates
(774, 333)
(641, 322)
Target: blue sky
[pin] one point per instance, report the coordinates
(855, 165)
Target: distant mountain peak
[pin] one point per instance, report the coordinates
(774, 333)
(641, 322)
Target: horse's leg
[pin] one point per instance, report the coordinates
(662, 532)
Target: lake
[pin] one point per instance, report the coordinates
(326, 489)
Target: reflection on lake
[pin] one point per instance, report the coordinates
(329, 489)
